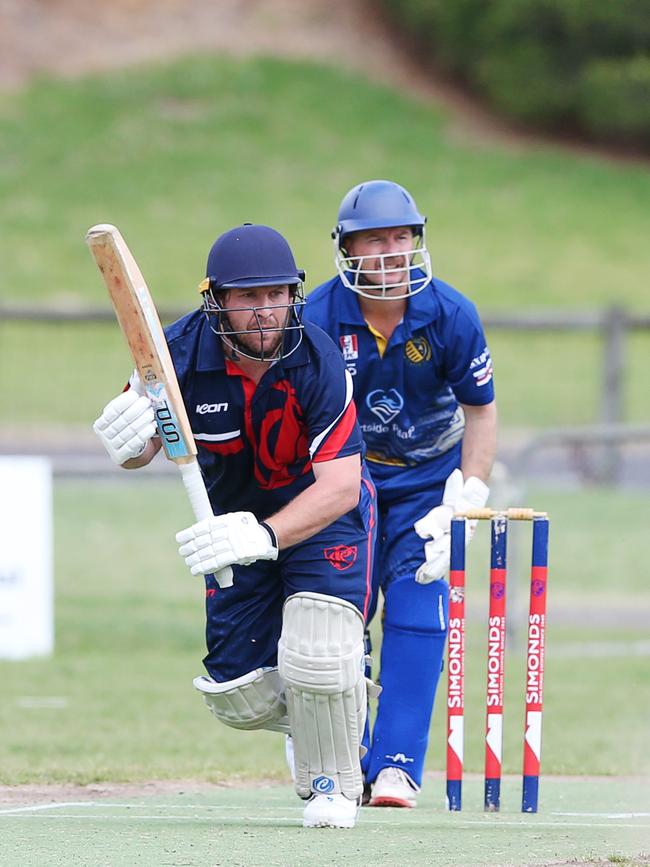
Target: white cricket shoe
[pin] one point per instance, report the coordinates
(393, 788)
(330, 811)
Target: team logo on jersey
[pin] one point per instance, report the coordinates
(349, 347)
(417, 350)
(481, 368)
(341, 557)
(386, 404)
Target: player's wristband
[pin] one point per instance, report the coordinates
(272, 534)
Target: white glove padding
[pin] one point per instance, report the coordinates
(126, 426)
(222, 540)
(459, 495)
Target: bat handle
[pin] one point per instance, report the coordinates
(200, 502)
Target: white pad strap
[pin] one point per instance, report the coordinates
(321, 662)
(252, 701)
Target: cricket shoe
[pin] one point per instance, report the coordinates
(393, 788)
(330, 811)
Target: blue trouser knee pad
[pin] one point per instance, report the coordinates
(413, 644)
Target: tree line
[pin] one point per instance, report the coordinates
(579, 66)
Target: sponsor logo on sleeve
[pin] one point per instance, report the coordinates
(481, 368)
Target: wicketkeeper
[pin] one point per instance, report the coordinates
(270, 405)
(425, 397)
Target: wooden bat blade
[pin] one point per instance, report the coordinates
(144, 334)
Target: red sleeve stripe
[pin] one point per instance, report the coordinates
(338, 437)
(316, 443)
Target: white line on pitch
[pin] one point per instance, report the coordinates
(234, 820)
(606, 815)
(101, 805)
(293, 820)
(32, 807)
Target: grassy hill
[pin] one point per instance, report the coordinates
(176, 154)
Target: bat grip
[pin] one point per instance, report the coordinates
(200, 502)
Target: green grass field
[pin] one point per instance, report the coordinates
(176, 154)
(261, 828)
(115, 704)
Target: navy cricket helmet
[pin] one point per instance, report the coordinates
(248, 257)
(251, 255)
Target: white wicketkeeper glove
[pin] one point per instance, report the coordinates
(459, 495)
(126, 426)
(236, 537)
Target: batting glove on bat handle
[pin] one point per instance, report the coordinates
(202, 508)
(125, 426)
(224, 540)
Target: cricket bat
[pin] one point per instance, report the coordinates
(144, 334)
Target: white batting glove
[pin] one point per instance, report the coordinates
(236, 537)
(126, 426)
(459, 495)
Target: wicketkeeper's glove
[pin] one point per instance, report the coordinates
(459, 495)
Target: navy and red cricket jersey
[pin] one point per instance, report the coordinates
(257, 444)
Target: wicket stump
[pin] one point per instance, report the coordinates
(496, 657)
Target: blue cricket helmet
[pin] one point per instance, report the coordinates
(377, 205)
(381, 205)
(251, 255)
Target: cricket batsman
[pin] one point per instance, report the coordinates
(423, 388)
(270, 405)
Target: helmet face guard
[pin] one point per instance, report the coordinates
(363, 280)
(290, 330)
(250, 257)
(381, 205)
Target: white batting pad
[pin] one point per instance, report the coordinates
(252, 701)
(321, 662)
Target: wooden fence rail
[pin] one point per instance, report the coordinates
(613, 324)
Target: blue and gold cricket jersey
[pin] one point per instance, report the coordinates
(257, 443)
(408, 389)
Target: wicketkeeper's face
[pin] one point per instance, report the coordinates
(382, 256)
(259, 316)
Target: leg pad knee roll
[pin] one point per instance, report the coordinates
(253, 701)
